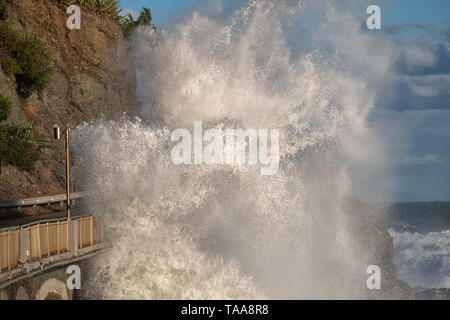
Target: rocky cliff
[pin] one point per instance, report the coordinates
(93, 76)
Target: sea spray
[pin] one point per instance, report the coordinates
(217, 231)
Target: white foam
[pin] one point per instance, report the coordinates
(228, 232)
(423, 260)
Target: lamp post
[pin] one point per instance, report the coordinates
(57, 136)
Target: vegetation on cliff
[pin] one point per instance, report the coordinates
(129, 24)
(108, 8)
(17, 146)
(5, 107)
(27, 59)
(4, 9)
(23, 56)
(93, 76)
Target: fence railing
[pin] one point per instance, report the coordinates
(9, 249)
(48, 237)
(40, 200)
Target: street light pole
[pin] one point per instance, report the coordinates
(57, 136)
(67, 175)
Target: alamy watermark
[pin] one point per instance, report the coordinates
(374, 280)
(74, 20)
(227, 147)
(74, 280)
(374, 20)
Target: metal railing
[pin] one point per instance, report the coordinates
(41, 200)
(48, 237)
(9, 249)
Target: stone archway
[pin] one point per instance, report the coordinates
(22, 294)
(52, 289)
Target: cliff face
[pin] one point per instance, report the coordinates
(93, 77)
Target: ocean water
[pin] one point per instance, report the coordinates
(421, 234)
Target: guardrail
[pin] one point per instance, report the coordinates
(41, 200)
(22, 244)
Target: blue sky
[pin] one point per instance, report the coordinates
(421, 11)
(416, 111)
(395, 11)
(163, 11)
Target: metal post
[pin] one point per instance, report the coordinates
(67, 175)
(1, 253)
(68, 235)
(91, 219)
(81, 232)
(39, 239)
(24, 245)
(30, 246)
(48, 238)
(57, 237)
(9, 250)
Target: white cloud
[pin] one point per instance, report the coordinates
(127, 11)
(419, 57)
(430, 85)
(428, 159)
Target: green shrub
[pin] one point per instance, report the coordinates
(4, 9)
(128, 24)
(17, 150)
(34, 60)
(28, 59)
(17, 146)
(5, 107)
(9, 65)
(8, 44)
(145, 18)
(25, 57)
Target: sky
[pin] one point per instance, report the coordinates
(414, 111)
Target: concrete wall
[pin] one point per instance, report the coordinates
(50, 286)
